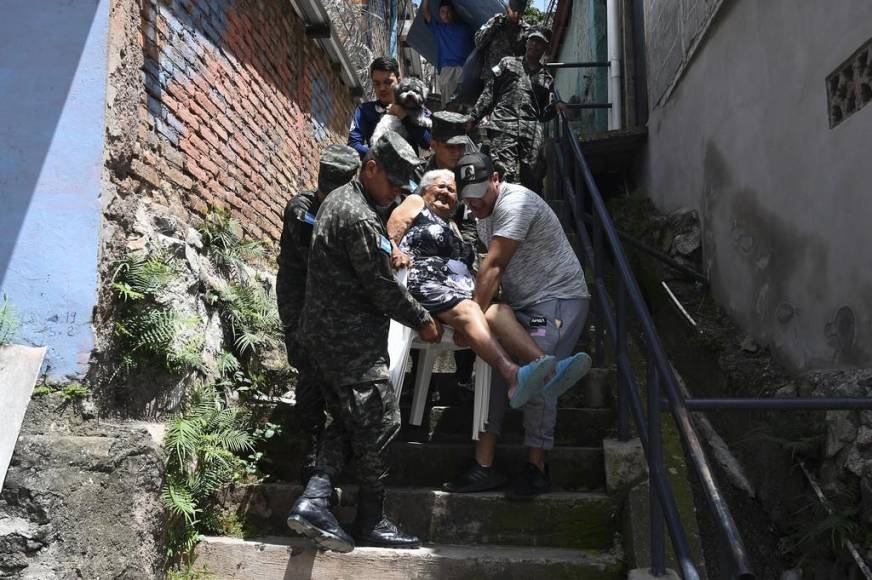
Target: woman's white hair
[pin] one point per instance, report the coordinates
(431, 176)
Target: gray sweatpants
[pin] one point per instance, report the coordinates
(555, 325)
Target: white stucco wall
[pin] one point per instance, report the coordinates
(52, 95)
(785, 201)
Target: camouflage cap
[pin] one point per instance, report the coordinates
(339, 164)
(542, 32)
(449, 127)
(397, 158)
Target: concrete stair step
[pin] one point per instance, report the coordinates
(453, 424)
(431, 464)
(275, 558)
(414, 463)
(561, 520)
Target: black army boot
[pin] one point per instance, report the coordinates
(373, 528)
(311, 516)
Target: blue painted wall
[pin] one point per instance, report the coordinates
(52, 94)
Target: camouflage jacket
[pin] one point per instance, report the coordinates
(497, 40)
(518, 100)
(351, 294)
(299, 220)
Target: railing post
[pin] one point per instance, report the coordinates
(620, 351)
(655, 460)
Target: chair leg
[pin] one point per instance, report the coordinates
(426, 358)
(482, 396)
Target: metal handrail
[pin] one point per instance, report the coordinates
(610, 316)
(578, 178)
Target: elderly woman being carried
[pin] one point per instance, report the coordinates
(441, 279)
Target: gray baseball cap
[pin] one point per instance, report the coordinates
(449, 127)
(397, 158)
(339, 164)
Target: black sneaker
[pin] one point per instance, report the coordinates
(476, 478)
(529, 483)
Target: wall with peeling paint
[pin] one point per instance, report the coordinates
(744, 138)
(52, 82)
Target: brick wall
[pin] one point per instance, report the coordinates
(238, 103)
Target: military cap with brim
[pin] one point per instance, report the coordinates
(473, 175)
(449, 127)
(540, 32)
(339, 164)
(397, 158)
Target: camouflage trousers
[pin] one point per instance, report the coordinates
(518, 158)
(366, 418)
(309, 407)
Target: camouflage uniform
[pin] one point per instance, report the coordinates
(338, 165)
(519, 101)
(351, 295)
(497, 39)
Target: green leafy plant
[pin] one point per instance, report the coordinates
(533, 16)
(252, 314)
(226, 243)
(147, 327)
(9, 323)
(74, 391)
(189, 572)
(204, 447)
(139, 275)
(161, 331)
(69, 392)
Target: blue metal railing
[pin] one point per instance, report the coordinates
(610, 318)
(609, 314)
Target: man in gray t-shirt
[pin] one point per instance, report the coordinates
(544, 265)
(542, 287)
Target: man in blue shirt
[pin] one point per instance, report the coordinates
(385, 74)
(454, 43)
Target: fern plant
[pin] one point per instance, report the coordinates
(203, 447)
(252, 314)
(139, 275)
(226, 244)
(163, 332)
(9, 322)
(147, 327)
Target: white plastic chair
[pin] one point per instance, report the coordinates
(401, 339)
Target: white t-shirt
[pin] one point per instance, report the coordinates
(544, 267)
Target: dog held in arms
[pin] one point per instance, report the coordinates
(411, 94)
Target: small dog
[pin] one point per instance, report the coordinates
(411, 94)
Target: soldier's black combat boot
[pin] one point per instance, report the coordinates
(373, 528)
(311, 516)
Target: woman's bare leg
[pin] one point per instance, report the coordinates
(511, 335)
(467, 318)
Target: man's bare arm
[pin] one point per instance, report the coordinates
(499, 254)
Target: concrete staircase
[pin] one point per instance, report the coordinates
(570, 533)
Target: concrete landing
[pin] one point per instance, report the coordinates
(19, 369)
(276, 558)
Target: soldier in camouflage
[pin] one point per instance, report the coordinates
(339, 164)
(351, 295)
(520, 97)
(501, 36)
